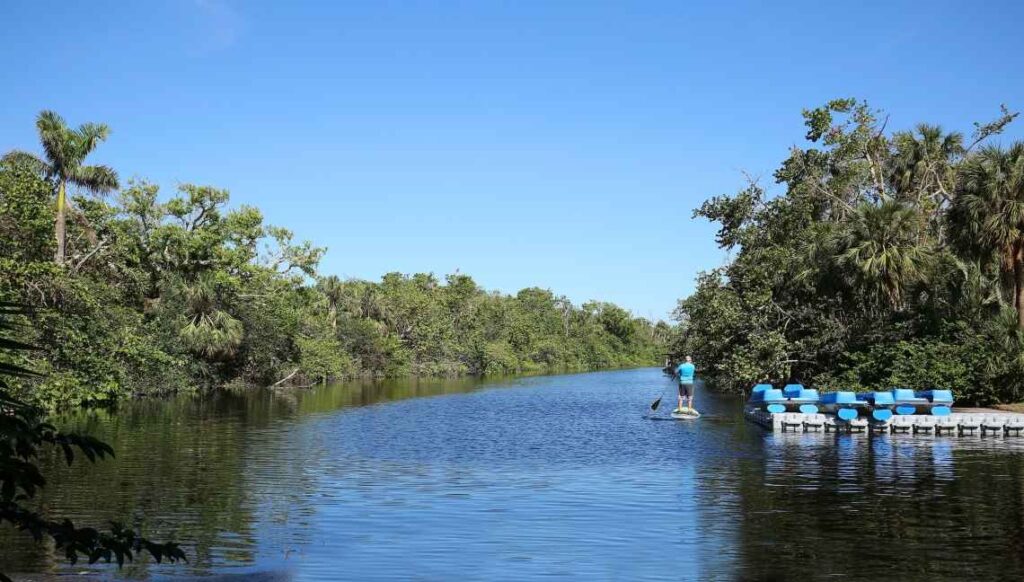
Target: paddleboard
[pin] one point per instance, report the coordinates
(685, 413)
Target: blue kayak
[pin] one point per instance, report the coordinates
(935, 402)
(844, 403)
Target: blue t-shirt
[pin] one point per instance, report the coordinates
(686, 371)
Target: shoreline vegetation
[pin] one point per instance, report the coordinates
(883, 258)
(134, 292)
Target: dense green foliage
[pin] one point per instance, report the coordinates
(888, 260)
(158, 293)
(23, 437)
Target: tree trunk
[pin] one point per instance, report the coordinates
(61, 224)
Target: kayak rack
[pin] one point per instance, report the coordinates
(954, 424)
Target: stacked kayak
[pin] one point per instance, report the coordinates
(794, 397)
(881, 404)
(936, 402)
(844, 404)
(941, 400)
(907, 402)
(848, 405)
(766, 397)
(801, 399)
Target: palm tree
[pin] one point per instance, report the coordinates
(987, 215)
(332, 288)
(883, 251)
(922, 167)
(209, 330)
(65, 150)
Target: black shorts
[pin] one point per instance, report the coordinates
(686, 390)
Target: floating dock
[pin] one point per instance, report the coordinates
(999, 424)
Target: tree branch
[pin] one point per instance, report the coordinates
(96, 249)
(285, 379)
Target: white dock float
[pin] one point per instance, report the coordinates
(1014, 425)
(926, 423)
(993, 423)
(814, 422)
(946, 425)
(880, 426)
(902, 423)
(956, 424)
(854, 425)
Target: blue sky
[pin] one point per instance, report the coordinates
(552, 144)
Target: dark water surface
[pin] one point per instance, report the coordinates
(556, 476)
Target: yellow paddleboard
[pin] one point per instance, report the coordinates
(685, 413)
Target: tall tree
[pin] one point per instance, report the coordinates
(988, 213)
(333, 290)
(923, 167)
(883, 250)
(65, 150)
(209, 330)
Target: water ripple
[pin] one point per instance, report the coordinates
(534, 478)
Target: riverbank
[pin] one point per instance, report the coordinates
(862, 271)
(146, 291)
(157, 292)
(366, 377)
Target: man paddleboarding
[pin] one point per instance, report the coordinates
(685, 372)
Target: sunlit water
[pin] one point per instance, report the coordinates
(558, 476)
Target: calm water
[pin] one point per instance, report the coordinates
(539, 477)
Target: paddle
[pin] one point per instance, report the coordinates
(657, 403)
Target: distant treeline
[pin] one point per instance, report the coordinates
(138, 293)
(888, 259)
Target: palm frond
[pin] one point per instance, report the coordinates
(8, 311)
(27, 160)
(882, 246)
(96, 179)
(90, 135)
(7, 369)
(56, 139)
(9, 344)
